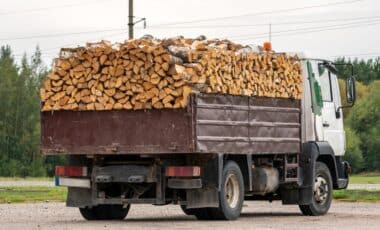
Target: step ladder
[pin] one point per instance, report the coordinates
(291, 168)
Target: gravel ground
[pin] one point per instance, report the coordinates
(256, 215)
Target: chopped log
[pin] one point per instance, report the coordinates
(155, 74)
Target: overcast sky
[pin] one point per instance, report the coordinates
(318, 28)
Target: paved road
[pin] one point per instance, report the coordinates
(256, 215)
(364, 186)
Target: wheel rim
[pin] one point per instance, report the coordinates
(321, 190)
(232, 191)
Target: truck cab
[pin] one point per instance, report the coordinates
(324, 136)
(210, 156)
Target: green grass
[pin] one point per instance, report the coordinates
(32, 194)
(357, 195)
(26, 179)
(365, 179)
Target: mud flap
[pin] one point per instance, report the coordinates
(78, 197)
(202, 198)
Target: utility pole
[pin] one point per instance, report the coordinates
(130, 20)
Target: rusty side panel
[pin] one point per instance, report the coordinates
(210, 124)
(236, 124)
(117, 132)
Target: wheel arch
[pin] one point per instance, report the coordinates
(329, 161)
(313, 152)
(245, 163)
(327, 156)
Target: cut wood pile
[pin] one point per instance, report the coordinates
(147, 73)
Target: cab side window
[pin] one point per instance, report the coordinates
(325, 81)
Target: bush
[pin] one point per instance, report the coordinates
(353, 153)
(37, 168)
(364, 119)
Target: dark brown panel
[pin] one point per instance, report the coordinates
(116, 132)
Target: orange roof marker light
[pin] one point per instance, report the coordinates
(267, 46)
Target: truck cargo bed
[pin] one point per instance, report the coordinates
(210, 124)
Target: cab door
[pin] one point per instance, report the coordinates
(332, 123)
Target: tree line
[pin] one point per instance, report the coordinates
(20, 116)
(362, 121)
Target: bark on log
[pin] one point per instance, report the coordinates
(149, 73)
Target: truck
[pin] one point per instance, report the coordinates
(210, 156)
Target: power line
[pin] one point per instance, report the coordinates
(52, 7)
(61, 34)
(264, 35)
(262, 13)
(209, 26)
(328, 29)
(53, 50)
(309, 29)
(163, 25)
(263, 24)
(84, 41)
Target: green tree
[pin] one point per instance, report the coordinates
(353, 152)
(19, 114)
(10, 84)
(364, 119)
(365, 71)
(361, 93)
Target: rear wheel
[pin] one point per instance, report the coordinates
(188, 211)
(322, 192)
(104, 212)
(231, 196)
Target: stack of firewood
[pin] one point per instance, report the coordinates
(147, 73)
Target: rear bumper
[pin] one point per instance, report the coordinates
(72, 182)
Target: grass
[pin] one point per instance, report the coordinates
(32, 194)
(44, 193)
(365, 179)
(26, 179)
(357, 195)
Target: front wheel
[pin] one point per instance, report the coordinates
(105, 212)
(322, 192)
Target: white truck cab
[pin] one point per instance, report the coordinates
(329, 120)
(323, 135)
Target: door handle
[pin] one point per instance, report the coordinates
(325, 124)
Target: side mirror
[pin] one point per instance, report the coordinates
(350, 94)
(350, 90)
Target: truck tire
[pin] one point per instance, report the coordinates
(192, 211)
(199, 213)
(105, 212)
(231, 196)
(322, 192)
(187, 211)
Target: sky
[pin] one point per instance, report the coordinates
(317, 28)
